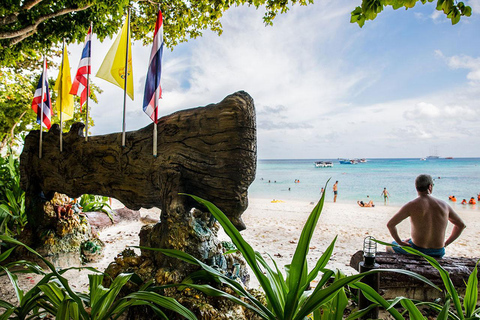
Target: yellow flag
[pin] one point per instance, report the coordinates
(113, 66)
(63, 84)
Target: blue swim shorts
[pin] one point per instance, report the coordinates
(436, 253)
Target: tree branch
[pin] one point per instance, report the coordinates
(12, 132)
(13, 17)
(20, 38)
(32, 28)
(30, 4)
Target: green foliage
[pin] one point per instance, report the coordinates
(16, 115)
(27, 31)
(335, 308)
(12, 198)
(369, 9)
(53, 295)
(287, 298)
(91, 203)
(15, 101)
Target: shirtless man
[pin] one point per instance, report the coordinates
(385, 195)
(428, 218)
(335, 191)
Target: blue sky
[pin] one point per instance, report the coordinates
(403, 84)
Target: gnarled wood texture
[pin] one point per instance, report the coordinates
(206, 151)
(396, 284)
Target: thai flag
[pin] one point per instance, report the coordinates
(42, 105)
(153, 90)
(80, 83)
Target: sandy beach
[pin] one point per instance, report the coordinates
(275, 228)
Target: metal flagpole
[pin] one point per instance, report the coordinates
(126, 77)
(41, 106)
(156, 100)
(88, 86)
(60, 92)
(155, 132)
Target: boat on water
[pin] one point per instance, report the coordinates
(323, 164)
(348, 161)
(423, 159)
(450, 158)
(433, 154)
(363, 160)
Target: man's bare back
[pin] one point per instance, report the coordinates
(428, 218)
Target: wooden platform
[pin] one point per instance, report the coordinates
(395, 284)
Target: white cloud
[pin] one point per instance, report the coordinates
(463, 62)
(475, 4)
(422, 111)
(310, 75)
(437, 16)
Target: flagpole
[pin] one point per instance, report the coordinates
(156, 104)
(41, 107)
(88, 89)
(155, 127)
(126, 78)
(60, 92)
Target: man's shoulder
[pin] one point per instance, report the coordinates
(439, 201)
(414, 202)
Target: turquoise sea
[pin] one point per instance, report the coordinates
(458, 176)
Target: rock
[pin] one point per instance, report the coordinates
(125, 214)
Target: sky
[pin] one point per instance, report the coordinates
(405, 85)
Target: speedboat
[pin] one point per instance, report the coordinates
(323, 164)
(347, 161)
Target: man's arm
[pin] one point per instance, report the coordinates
(401, 215)
(458, 226)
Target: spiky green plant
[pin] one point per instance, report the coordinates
(287, 298)
(53, 294)
(12, 198)
(90, 203)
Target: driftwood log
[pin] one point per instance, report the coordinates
(207, 151)
(396, 284)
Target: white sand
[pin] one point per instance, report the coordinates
(275, 228)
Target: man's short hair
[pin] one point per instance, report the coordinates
(423, 181)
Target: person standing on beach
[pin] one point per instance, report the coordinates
(428, 218)
(335, 191)
(385, 195)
